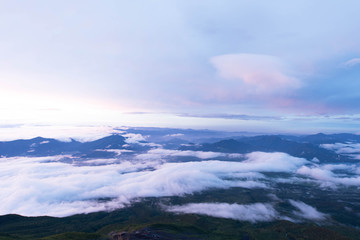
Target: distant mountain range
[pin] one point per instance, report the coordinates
(271, 144)
(47, 146)
(299, 146)
(322, 138)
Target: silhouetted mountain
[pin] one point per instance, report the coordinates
(230, 146)
(47, 146)
(321, 138)
(174, 143)
(271, 144)
(109, 142)
(304, 150)
(162, 135)
(298, 146)
(37, 147)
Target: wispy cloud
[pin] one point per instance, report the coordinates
(352, 62)
(307, 211)
(160, 153)
(232, 116)
(134, 138)
(256, 212)
(175, 135)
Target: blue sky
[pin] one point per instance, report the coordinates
(289, 66)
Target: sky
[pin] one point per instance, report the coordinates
(270, 66)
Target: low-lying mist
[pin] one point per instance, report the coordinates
(34, 186)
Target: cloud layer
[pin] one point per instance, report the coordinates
(45, 186)
(49, 186)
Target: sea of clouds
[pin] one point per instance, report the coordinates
(37, 186)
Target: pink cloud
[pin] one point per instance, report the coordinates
(256, 74)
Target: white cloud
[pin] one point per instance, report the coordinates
(175, 135)
(256, 212)
(327, 177)
(259, 74)
(118, 152)
(182, 178)
(137, 138)
(272, 162)
(133, 138)
(343, 147)
(316, 172)
(349, 149)
(315, 160)
(160, 153)
(274, 197)
(235, 155)
(99, 161)
(45, 186)
(307, 211)
(255, 161)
